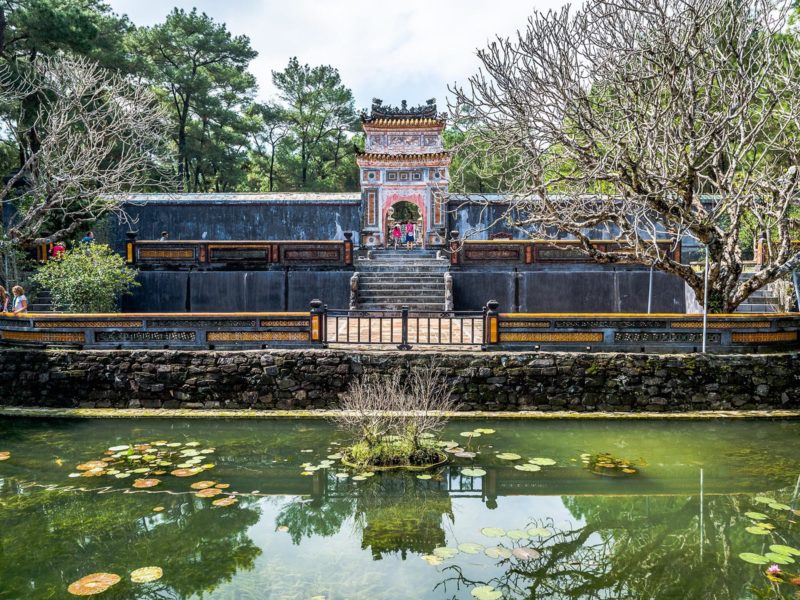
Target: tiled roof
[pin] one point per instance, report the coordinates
(245, 197)
(404, 157)
(402, 123)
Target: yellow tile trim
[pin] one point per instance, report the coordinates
(719, 324)
(778, 336)
(531, 324)
(39, 336)
(114, 324)
(551, 337)
(693, 316)
(256, 336)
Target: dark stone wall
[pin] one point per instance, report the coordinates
(237, 291)
(243, 220)
(315, 379)
(576, 290)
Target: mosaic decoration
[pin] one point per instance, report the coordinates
(589, 336)
(720, 324)
(308, 255)
(174, 254)
(144, 336)
(668, 337)
(38, 336)
(256, 336)
(492, 253)
(283, 323)
(586, 323)
(95, 324)
(777, 336)
(531, 324)
(242, 253)
(199, 324)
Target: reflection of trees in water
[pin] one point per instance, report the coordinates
(631, 547)
(50, 538)
(394, 512)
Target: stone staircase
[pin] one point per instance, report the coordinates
(390, 279)
(763, 300)
(42, 303)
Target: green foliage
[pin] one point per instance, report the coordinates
(89, 278)
(394, 452)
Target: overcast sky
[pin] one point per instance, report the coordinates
(392, 49)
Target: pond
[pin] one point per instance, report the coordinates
(249, 508)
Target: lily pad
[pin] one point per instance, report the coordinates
(497, 552)
(525, 553)
(464, 454)
(470, 548)
(485, 431)
(756, 516)
(183, 472)
(336, 456)
(201, 485)
(785, 550)
(359, 478)
(146, 574)
(757, 530)
(780, 559)
(763, 500)
(447, 444)
(493, 532)
(158, 509)
(96, 583)
(485, 592)
(508, 456)
(755, 559)
(192, 444)
(146, 483)
(528, 467)
(342, 475)
(538, 532)
(119, 448)
(432, 559)
(779, 506)
(473, 472)
(224, 501)
(516, 534)
(208, 493)
(470, 434)
(445, 553)
(543, 462)
(423, 476)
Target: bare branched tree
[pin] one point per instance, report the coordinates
(86, 137)
(668, 119)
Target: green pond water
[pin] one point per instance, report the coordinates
(700, 494)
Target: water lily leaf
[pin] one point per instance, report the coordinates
(359, 478)
(538, 532)
(91, 465)
(508, 456)
(447, 444)
(516, 534)
(222, 486)
(497, 552)
(756, 516)
(307, 473)
(525, 553)
(342, 475)
(465, 454)
(528, 467)
(485, 592)
(432, 559)
(118, 448)
(208, 493)
(224, 501)
(785, 550)
(192, 443)
(485, 431)
(145, 470)
(493, 532)
(445, 553)
(763, 525)
(201, 485)
(629, 471)
(336, 456)
(158, 509)
(543, 462)
(763, 500)
(780, 559)
(186, 465)
(76, 475)
(424, 476)
(96, 583)
(470, 548)
(183, 472)
(146, 483)
(473, 472)
(368, 474)
(173, 444)
(159, 443)
(122, 475)
(427, 436)
(455, 450)
(779, 506)
(146, 574)
(755, 559)
(470, 434)
(757, 530)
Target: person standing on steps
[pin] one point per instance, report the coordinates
(409, 235)
(396, 234)
(20, 301)
(5, 299)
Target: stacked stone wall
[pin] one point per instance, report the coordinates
(315, 379)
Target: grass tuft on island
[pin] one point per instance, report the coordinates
(394, 453)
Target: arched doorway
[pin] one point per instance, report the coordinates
(401, 213)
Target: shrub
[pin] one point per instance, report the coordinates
(89, 278)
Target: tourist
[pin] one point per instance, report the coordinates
(396, 234)
(164, 236)
(20, 301)
(5, 300)
(409, 235)
(57, 250)
(88, 238)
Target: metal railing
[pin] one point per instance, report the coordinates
(404, 328)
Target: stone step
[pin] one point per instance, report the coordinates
(400, 298)
(432, 307)
(400, 269)
(390, 286)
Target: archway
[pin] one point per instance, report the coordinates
(401, 213)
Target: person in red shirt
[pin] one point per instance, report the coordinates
(409, 235)
(58, 249)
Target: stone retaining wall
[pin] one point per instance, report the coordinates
(314, 379)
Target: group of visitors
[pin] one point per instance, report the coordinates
(397, 234)
(60, 247)
(18, 304)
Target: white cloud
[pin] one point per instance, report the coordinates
(408, 49)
